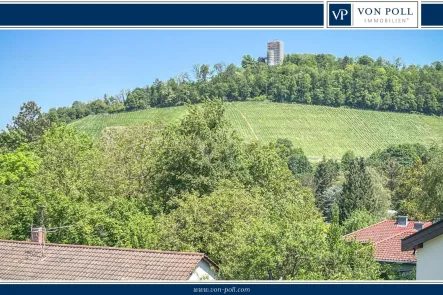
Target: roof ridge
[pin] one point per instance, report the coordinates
(367, 227)
(393, 236)
(406, 227)
(104, 248)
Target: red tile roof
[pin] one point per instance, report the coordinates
(24, 261)
(387, 236)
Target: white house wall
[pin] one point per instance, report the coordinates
(430, 260)
(202, 272)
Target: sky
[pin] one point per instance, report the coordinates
(55, 68)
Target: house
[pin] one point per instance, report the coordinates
(428, 247)
(37, 260)
(387, 238)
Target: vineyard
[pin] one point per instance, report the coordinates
(319, 130)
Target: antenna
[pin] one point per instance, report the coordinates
(39, 232)
(42, 228)
(42, 215)
(54, 229)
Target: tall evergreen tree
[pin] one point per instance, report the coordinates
(358, 191)
(325, 174)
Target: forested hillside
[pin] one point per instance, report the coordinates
(321, 79)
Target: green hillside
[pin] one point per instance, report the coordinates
(318, 130)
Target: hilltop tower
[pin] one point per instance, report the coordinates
(276, 53)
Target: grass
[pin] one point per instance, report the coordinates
(318, 130)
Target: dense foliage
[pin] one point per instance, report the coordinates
(320, 79)
(261, 211)
(194, 186)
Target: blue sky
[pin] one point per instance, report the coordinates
(55, 68)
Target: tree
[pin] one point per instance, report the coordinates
(118, 222)
(202, 72)
(334, 233)
(327, 200)
(66, 158)
(409, 190)
(219, 68)
(125, 166)
(11, 140)
(30, 122)
(271, 249)
(357, 220)
(393, 271)
(393, 161)
(347, 259)
(431, 202)
(61, 172)
(346, 160)
(97, 106)
(17, 166)
(365, 60)
(320, 79)
(358, 191)
(254, 237)
(325, 174)
(205, 223)
(53, 116)
(382, 195)
(247, 61)
(297, 161)
(285, 146)
(195, 155)
(137, 100)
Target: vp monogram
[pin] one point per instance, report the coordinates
(340, 14)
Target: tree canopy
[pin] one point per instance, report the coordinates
(318, 79)
(192, 186)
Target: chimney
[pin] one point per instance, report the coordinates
(419, 225)
(402, 221)
(38, 235)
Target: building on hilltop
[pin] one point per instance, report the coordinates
(276, 53)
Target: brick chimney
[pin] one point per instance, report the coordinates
(38, 235)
